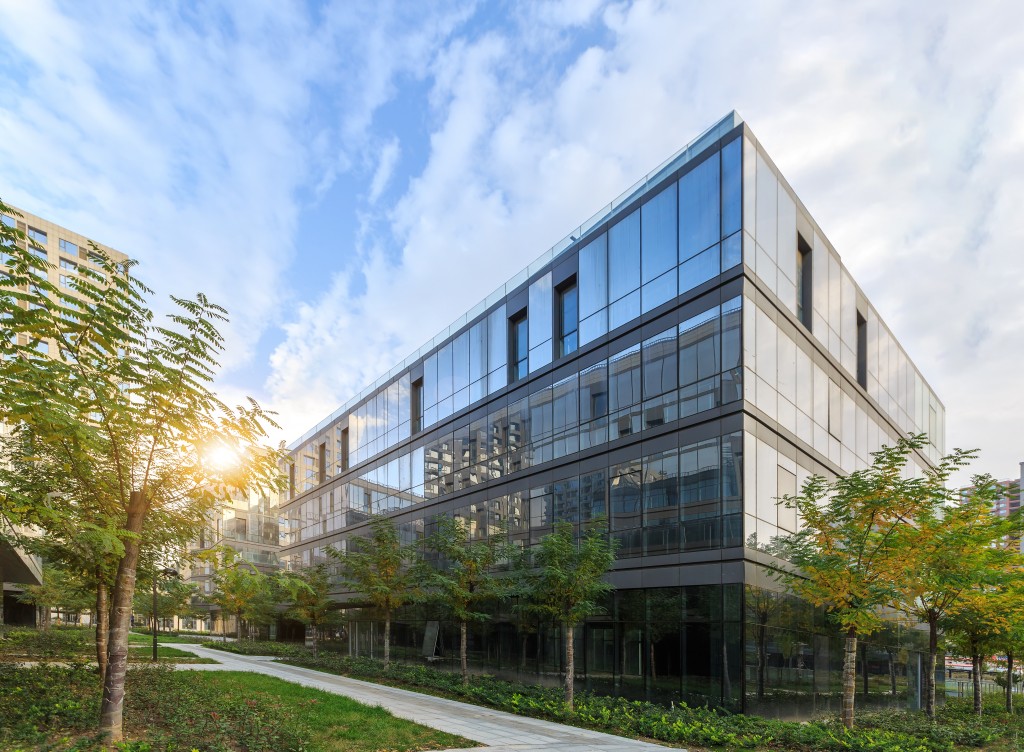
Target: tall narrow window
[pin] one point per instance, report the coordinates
(344, 449)
(416, 406)
(291, 483)
(804, 282)
(835, 409)
(321, 474)
(568, 318)
(519, 346)
(862, 350)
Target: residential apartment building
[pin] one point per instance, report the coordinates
(676, 363)
(67, 252)
(1010, 498)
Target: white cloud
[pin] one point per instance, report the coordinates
(176, 138)
(385, 167)
(894, 122)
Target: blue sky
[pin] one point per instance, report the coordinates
(316, 167)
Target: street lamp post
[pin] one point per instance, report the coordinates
(166, 572)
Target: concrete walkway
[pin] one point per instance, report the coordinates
(493, 728)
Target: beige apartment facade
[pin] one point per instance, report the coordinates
(67, 252)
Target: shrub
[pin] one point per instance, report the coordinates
(56, 643)
(890, 731)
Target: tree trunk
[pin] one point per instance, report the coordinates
(522, 650)
(864, 669)
(462, 653)
(102, 628)
(238, 628)
(1009, 681)
(761, 633)
(387, 638)
(112, 707)
(849, 677)
(650, 658)
(725, 671)
(314, 641)
(976, 665)
(892, 671)
(570, 665)
(929, 679)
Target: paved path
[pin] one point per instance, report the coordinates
(493, 728)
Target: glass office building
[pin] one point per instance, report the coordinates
(680, 360)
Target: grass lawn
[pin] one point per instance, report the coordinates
(49, 707)
(163, 653)
(145, 639)
(65, 644)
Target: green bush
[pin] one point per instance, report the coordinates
(58, 707)
(889, 731)
(51, 644)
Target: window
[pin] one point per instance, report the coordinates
(835, 409)
(69, 265)
(804, 283)
(321, 463)
(66, 246)
(65, 280)
(37, 235)
(416, 407)
(862, 350)
(568, 318)
(519, 346)
(9, 221)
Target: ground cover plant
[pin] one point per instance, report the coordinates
(954, 728)
(77, 644)
(55, 708)
(139, 638)
(261, 647)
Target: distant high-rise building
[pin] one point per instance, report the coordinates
(1009, 499)
(67, 251)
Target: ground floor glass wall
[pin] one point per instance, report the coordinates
(741, 647)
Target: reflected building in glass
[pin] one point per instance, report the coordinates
(678, 362)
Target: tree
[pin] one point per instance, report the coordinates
(466, 576)
(239, 589)
(174, 596)
(308, 595)
(951, 549)
(566, 582)
(1010, 642)
(61, 590)
(847, 555)
(388, 574)
(120, 421)
(973, 630)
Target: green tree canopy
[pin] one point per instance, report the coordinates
(388, 573)
(307, 595)
(566, 584)
(955, 550)
(240, 589)
(850, 551)
(466, 576)
(117, 418)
